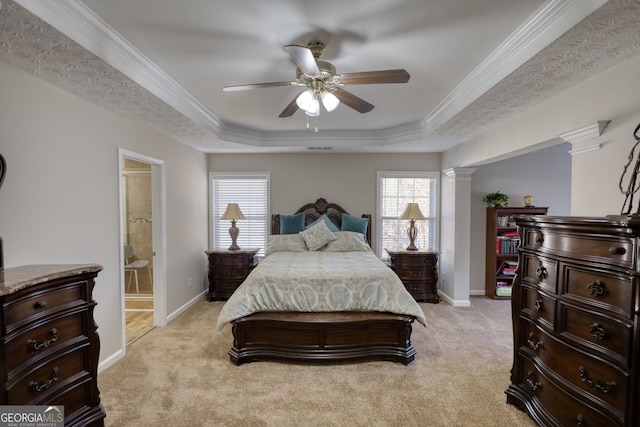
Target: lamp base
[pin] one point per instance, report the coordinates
(412, 232)
(233, 232)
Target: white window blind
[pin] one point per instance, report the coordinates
(251, 193)
(395, 190)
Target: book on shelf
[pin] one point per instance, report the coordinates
(505, 221)
(503, 291)
(507, 244)
(507, 268)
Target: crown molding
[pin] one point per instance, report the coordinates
(591, 130)
(552, 20)
(74, 19)
(459, 174)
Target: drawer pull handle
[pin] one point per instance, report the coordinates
(45, 385)
(532, 384)
(539, 239)
(533, 344)
(596, 288)
(617, 251)
(598, 332)
(592, 383)
(579, 421)
(541, 272)
(41, 304)
(537, 306)
(46, 343)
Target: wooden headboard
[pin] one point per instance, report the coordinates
(313, 211)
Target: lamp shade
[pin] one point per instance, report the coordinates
(329, 100)
(304, 99)
(412, 211)
(233, 212)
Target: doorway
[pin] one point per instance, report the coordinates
(141, 218)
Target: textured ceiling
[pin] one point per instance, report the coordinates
(471, 65)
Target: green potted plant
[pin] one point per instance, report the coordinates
(496, 199)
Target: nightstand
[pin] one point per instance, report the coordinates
(227, 270)
(418, 270)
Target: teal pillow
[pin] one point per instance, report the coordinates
(327, 221)
(292, 224)
(352, 223)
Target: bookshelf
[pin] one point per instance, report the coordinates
(502, 249)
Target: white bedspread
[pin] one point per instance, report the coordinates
(315, 281)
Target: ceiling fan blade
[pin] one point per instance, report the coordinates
(375, 77)
(303, 58)
(350, 100)
(290, 109)
(258, 85)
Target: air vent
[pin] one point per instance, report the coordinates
(320, 148)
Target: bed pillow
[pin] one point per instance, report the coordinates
(330, 225)
(347, 241)
(291, 224)
(285, 243)
(317, 236)
(352, 223)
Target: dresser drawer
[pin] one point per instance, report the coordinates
(557, 403)
(26, 309)
(539, 306)
(56, 333)
(609, 336)
(228, 286)
(603, 290)
(413, 273)
(610, 250)
(227, 273)
(540, 270)
(413, 261)
(49, 377)
(602, 380)
(231, 259)
(532, 238)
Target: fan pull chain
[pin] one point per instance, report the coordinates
(316, 125)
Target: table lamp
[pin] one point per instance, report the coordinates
(412, 212)
(233, 213)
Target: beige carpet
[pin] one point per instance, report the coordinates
(180, 375)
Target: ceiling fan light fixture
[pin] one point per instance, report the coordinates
(305, 99)
(313, 108)
(329, 100)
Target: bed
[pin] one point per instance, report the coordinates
(336, 303)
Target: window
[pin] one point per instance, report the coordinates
(395, 190)
(251, 192)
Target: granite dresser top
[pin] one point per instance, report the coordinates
(17, 278)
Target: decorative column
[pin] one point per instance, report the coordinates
(455, 242)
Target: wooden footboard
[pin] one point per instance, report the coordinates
(323, 337)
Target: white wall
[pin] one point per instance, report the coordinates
(611, 95)
(59, 201)
(545, 174)
(346, 179)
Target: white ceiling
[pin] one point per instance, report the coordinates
(465, 57)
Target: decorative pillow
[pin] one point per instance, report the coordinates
(317, 236)
(352, 223)
(347, 241)
(292, 224)
(325, 218)
(285, 243)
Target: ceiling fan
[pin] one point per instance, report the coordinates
(323, 84)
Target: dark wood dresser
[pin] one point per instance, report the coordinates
(576, 322)
(418, 270)
(227, 271)
(50, 346)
